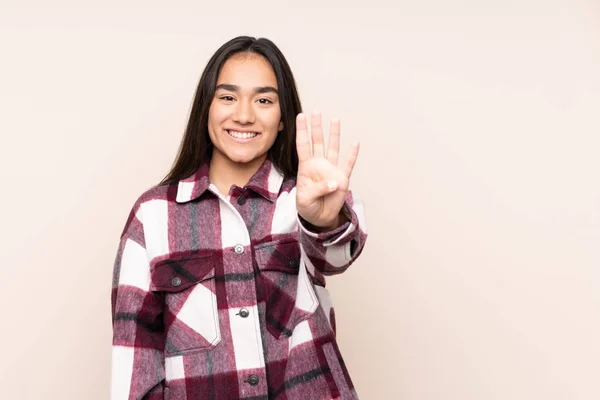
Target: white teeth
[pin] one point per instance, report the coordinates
(242, 135)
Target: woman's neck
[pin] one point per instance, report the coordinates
(223, 173)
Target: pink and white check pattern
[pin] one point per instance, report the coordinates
(223, 297)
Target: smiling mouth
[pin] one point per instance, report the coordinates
(242, 135)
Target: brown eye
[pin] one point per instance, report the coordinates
(265, 101)
(226, 98)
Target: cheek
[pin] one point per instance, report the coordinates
(273, 120)
(216, 115)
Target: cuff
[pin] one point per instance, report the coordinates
(338, 236)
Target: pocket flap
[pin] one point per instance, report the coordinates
(282, 257)
(179, 273)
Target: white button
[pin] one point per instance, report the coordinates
(239, 249)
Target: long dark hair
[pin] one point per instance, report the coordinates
(196, 147)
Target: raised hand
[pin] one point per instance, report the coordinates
(321, 185)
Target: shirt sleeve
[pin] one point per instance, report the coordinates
(332, 252)
(137, 318)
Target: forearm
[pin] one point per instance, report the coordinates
(331, 250)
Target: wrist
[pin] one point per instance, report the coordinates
(339, 220)
(330, 226)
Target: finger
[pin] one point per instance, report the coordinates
(302, 142)
(352, 159)
(316, 130)
(333, 146)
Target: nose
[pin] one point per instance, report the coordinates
(244, 114)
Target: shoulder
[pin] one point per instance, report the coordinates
(155, 194)
(164, 192)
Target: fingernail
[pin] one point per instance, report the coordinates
(332, 185)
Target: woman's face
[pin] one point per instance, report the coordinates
(244, 115)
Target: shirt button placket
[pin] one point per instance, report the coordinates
(246, 324)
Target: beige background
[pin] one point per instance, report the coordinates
(479, 123)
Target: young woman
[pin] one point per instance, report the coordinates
(219, 288)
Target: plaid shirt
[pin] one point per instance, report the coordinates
(223, 297)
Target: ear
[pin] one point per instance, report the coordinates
(280, 126)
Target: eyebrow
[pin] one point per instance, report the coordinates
(235, 88)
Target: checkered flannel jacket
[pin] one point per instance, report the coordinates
(223, 297)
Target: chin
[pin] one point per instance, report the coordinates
(244, 158)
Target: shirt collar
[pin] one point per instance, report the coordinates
(266, 182)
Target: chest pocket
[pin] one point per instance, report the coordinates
(284, 286)
(191, 316)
